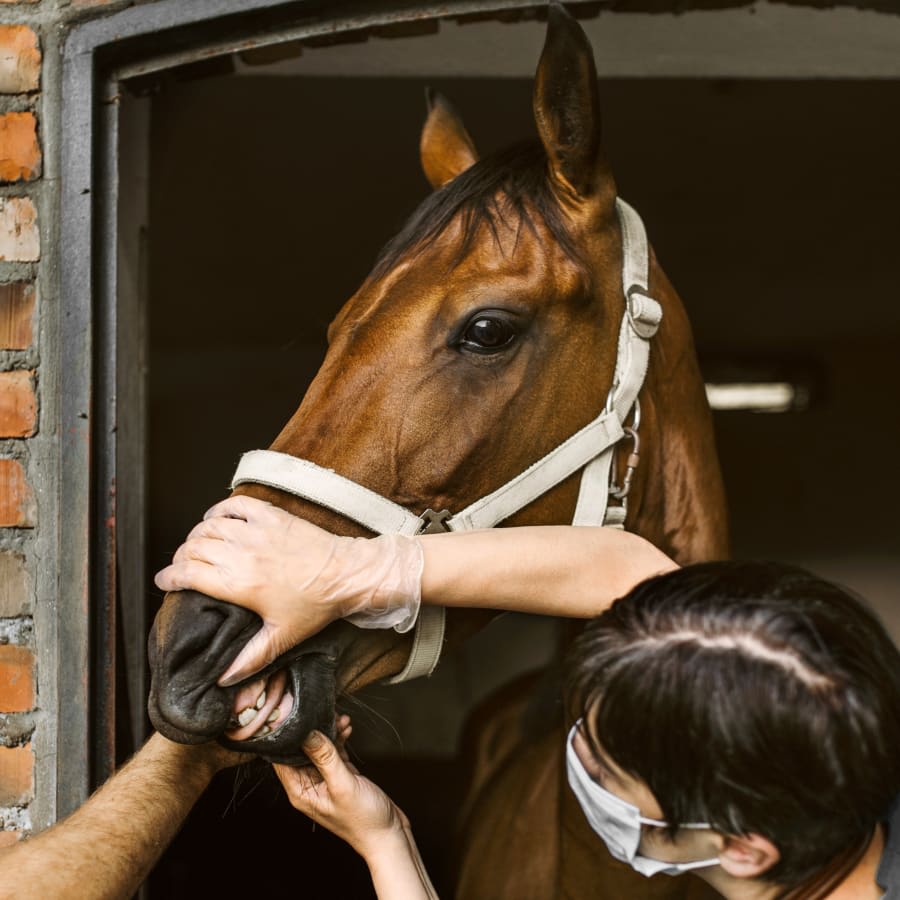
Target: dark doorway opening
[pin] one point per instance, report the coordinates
(770, 207)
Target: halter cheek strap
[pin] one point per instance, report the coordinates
(591, 449)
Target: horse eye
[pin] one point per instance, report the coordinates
(486, 334)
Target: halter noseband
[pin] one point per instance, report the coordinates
(591, 449)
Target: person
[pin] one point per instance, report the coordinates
(334, 794)
(764, 757)
(108, 845)
(737, 720)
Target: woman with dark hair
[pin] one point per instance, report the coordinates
(737, 720)
(764, 753)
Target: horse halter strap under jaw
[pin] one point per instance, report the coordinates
(591, 449)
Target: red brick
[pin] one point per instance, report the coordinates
(20, 60)
(20, 152)
(8, 838)
(15, 591)
(19, 238)
(16, 679)
(16, 499)
(18, 404)
(17, 300)
(16, 775)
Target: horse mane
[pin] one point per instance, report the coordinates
(510, 181)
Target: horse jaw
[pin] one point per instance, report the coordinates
(678, 500)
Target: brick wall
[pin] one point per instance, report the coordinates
(21, 168)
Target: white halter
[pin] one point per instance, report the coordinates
(591, 449)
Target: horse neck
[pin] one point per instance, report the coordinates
(678, 502)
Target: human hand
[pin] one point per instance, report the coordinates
(333, 794)
(297, 577)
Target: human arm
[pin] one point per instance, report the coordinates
(298, 577)
(106, 848)
(556, 570)
(337, 797)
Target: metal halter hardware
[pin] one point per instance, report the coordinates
(434, 522)
(590, 450)
(621, 492)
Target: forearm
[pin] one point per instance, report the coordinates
(107, 847)
(397, 870)
(549, 570)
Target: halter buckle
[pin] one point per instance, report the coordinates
(644, 313)
(434, 522)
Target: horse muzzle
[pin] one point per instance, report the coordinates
(195, 638)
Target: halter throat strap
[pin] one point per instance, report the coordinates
(591, 449)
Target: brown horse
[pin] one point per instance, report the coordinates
(484, 337)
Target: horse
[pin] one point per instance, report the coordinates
(485, 336)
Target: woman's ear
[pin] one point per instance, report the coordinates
(747, 856)
(445, 147)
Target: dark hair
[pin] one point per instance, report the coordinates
(753, 696)
(511, 181)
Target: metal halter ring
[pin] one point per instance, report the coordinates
(620, 492)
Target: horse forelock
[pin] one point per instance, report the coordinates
(509, 188)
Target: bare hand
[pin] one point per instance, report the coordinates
(336, 796)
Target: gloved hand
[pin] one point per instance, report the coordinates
(297, 577)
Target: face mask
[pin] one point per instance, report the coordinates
(619, 823)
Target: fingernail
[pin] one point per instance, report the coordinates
(231, 676)
(314, 740)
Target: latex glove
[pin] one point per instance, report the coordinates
(297, 577)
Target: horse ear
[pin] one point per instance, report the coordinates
(445, 146)
(567, 106)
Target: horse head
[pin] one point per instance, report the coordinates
(484, 337)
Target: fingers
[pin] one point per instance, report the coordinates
(343, 727)
(189, 574)
(198, 565)
(313, 790)
(257, 653)
(207, 550)
(324, 755)
(303, 787)
(343, 730)
(239, 507)
(219, 528)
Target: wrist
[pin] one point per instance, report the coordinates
(380, 581)
(378, 845)
(197, 764)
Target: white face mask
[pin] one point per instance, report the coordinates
(619, 823)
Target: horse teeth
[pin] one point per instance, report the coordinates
(246, 716)
(261, 700)
(273, 715)
(264, 730)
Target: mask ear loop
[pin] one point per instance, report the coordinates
(643, 820)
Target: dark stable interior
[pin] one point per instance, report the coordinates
(771, 206)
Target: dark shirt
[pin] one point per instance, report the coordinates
(888, 877)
